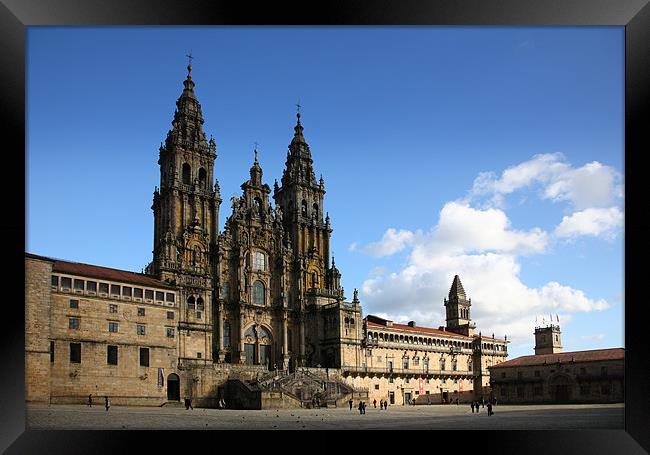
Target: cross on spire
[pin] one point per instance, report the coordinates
(189, 57)
(298, 105)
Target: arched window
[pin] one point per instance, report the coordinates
(258, 204)
(304, 207)
(203, 175)
(199, 304)
(258, 293)
(442, 364)
(187, 173)
(315, 207)
(314, 280)
(454, 364)
(190, 303)
(225, 291)
(258, 260)
(469, 365)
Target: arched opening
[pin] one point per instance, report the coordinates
(258, 344)
(315, 207)
(203, 176)
(191, 303)
(199, 304)
(304, 207)
(173, 387)
(257, 202)
(258, 293)
(187, 173)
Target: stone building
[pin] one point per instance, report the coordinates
(553, 376)
(255, 313)
(402, 363)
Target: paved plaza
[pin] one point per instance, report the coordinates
(506, 417)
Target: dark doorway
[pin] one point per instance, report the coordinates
(407, 397)
(445, 397)
(561, 393)
(265, 355)
(173, 387)
(249, 351)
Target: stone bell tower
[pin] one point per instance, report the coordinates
(186, 217)
(458, 306)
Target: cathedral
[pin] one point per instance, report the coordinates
(254, 314)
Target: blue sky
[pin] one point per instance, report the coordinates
(495, 153)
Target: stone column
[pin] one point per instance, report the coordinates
(242, 354)
(302, 340)
(285, 342)
(219, 333)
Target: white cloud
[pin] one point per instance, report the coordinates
(377, 271)
(480, 245)
(592, 185)
(593, 221)
(352, 247)
(392, 242)
(600, 336)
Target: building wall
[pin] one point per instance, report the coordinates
(585, 382)
(37, 330)
(128, 382)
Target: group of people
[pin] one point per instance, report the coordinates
(477, 404)
(107, 401)
(362, 405)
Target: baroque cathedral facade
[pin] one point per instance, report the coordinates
(251, 292)
(259, 297)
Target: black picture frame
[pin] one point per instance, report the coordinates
(634, 15)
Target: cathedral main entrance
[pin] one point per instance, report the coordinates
(173, 387)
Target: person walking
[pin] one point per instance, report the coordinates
(107, 403)
(472, 404)
(374, 403)
(350, 403)
(489, 406)
(90, 400)
(360, 407)
(190, 403)
(478, 406)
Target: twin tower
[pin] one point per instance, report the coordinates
(248, 294)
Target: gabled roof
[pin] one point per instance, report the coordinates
(106, 273)
(565, 357)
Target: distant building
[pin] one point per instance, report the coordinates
(553, 376)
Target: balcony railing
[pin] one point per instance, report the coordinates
(407, 371)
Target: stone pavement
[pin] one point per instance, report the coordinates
(524, 417)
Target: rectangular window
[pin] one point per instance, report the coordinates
(140, 311)
(74, 303)
(170, 315)
(111, 355)
(103, 287)
(79, 285)
(115, 289)
(66, 282)
(144, 357)
(137, 293)
(391, 397)
(148, 294)
(258, 260)
(198, 355)
(126, 291)
(226, 335)
(416, 361)
(112, 308)
(73, 323)
(198, 315)
(225, 291)
(376, 386)
(75, 352)
(405, 363)
(55, 280)
(391, 380)
(170, 332)
(51, 351)
(112, 327)
(160, 296)
(170, 296)
(91, 286)
(140, 329)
